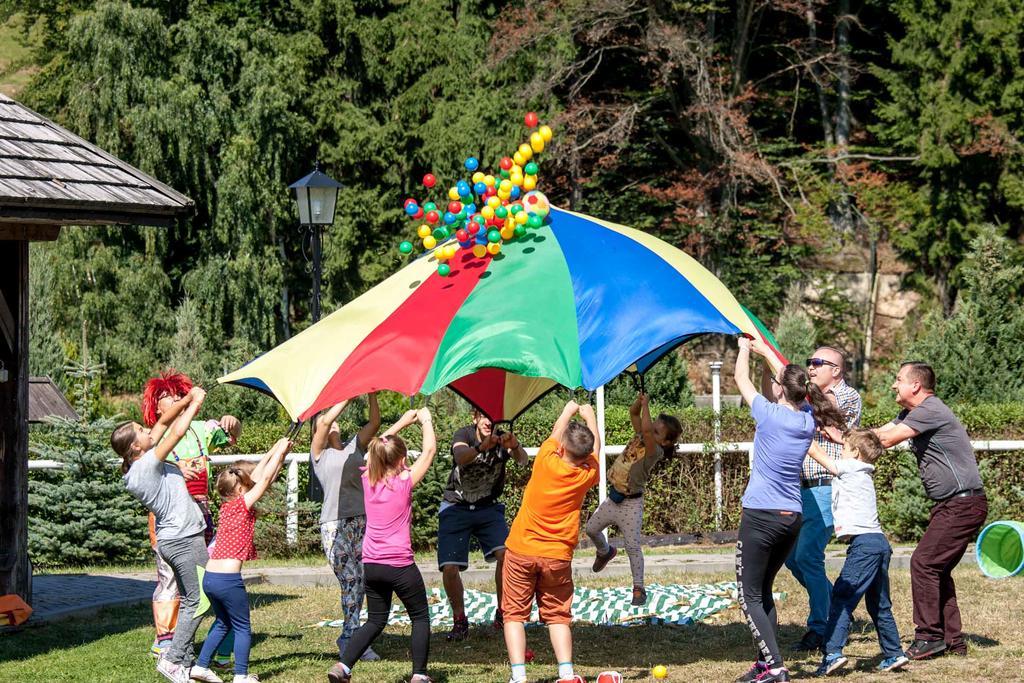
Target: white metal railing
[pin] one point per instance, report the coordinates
(294, 459)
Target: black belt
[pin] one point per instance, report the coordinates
(969, 493)
(814, 483)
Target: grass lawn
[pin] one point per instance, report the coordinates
(112, 646)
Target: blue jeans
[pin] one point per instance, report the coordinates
(807, 561)
(230, 603)
(865, 574)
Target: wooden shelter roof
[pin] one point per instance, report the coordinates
(46, 400)
(49, 175)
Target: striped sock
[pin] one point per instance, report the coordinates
(565, 670)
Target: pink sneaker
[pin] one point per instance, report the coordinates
(575, 679)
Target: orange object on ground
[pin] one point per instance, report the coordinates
(13, 610)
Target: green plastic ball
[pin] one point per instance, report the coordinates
(531, 168)
(444, 270)
(405, 247)
(439, 234)
(501, 212)
(519, 231)
(493, 235)
(535, 221)
(429, 206)
(515, 208)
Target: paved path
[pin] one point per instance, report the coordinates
(58, 596)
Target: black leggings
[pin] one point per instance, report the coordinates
(381, 581)
(765, 539)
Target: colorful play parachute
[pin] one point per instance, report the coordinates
(574, 302)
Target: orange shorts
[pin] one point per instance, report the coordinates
(526, 576)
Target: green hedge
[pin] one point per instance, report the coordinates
(681, 495)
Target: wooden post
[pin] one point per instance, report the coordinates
(15, 571)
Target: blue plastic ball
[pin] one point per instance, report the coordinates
(463, 187)
(449, 217)
(516, 192)
(480, 188)
(472, 164)
(411, 209)
(470, 209)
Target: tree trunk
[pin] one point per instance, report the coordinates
(818, 76)
(741, 42)
(15, 570)
(843, 219)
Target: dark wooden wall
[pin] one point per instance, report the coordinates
(15, 572)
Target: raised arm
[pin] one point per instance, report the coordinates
(647, 425)
(590, 418)
(463, 453)
(232, 426)
(742, 372)
(266, 472)
(369, 429)
(510, 442)
(427, 451)
(408, 418)
(323, 429)
(634, 414)
(570, 409)
(818, 454)
(182, 413)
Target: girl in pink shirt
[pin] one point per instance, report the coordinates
(388, 565)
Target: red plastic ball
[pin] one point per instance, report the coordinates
(530, 119)
(432, 217)
(491, 191)
(455, 207)
(506, 163)
(419, 214)
(529, 655)
(473, 228)
(461, 235)
(408, 201)
(429, 180)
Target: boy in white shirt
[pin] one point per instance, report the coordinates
(866, 570)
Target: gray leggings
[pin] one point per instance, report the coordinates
(628, 516)
(185, 555)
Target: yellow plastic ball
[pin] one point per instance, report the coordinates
(525, 151)
(507, 233)
(521, 218)
(518, 158)
(493, 202)
(546, 133)
(489, 180)
(493, 248)
(510, 223)
(429, 242)
(479, 250)
(516, 179)
(529, 182)
(537, 143)
(505, 194)
(441, 255)
(516, 168)
(478, 177)
(659, 671)
(487, 212)
(505, 185)
(423, 230)
(453, 194)
(452, 250)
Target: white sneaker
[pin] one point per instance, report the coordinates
(175, 673)
(201, 673)
(370, 656)
(248, 678)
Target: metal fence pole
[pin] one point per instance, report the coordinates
(716, 405)
(292, 498)
(602, 491)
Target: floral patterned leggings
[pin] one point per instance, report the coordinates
(342, 541)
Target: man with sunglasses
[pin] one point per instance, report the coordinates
(949, 472)
(806, 561)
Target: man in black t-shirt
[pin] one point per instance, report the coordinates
(949, 471)
(471, 508)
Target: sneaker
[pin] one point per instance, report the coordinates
(460, 629)
(751, 675)
(159, 646)
(175, 673)
(337, 674)
(420, 678)
(499, 621)
(248, 678)
(809, 643)
(639, 596)
(600, 561)
(893, 663)
(768, 677)
(923, 649)
(201, 673)
(221, 662)
(956, 650)
(370, 656)
(831, 663)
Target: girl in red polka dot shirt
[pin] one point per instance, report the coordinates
(239, 487)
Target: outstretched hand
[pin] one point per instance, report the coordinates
(743, 343)
(586, 411)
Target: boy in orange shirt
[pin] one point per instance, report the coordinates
(538, 554)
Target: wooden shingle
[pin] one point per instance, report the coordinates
(50, 175)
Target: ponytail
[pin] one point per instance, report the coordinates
(798, 387)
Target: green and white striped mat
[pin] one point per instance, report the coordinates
(666, 604)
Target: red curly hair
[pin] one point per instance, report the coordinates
(171, 382)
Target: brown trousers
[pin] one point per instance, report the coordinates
(953, 524)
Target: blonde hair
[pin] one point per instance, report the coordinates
(121, 440)
(235, 474)
(867, 444)
(385, 454)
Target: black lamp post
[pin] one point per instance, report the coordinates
(317, 196)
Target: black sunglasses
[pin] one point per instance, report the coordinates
(818, 362)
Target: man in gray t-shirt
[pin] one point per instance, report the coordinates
(949, 471)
